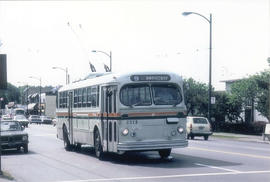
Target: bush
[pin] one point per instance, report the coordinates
(256, 128)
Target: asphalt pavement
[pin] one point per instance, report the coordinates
(224, 157)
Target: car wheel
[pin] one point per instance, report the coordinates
(97, 145)
(205, 137)
(67, 144)
(25, 148)
(164, 153)
(18, 148)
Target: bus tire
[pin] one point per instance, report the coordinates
(164, 153)
(97, 145)
(67, 144)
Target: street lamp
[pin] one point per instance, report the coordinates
(39, 91)
(210, 58)
(109, 55)
(66, 71)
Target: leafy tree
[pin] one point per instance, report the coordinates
(11, 94)
(196, 95)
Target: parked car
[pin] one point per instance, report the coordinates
(22, 120)
(46, 120)
(198, 126)
(13, 136)
(6, 118)
(34, 119)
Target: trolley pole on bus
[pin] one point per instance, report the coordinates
(109, 55)
(210, 58)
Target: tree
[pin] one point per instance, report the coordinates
(12, 94)
(196, 96)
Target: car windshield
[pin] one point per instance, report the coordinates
(10, 126)
(200, 121)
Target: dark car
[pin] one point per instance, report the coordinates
(13, 136)
(35, 119)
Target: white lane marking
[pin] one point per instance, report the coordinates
(232, 153)
(169, 176)
(42, 135)
(215, 167)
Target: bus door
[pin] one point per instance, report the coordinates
(70, 116)
(110, 124)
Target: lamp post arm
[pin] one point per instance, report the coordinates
(209, 20)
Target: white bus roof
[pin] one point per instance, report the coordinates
(116, 78)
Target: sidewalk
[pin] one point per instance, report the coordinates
(241, 137)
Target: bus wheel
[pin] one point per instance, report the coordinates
(164, 153)
(67, 144)
(98, 147)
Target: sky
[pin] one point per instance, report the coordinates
(142, 35)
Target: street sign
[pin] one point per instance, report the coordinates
(213, 100)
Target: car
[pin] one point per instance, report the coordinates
(34, 119)
(22, 120)
(6, 117)
(13, 136)
(198, 126)
(46, 120)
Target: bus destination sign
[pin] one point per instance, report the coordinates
(150, 78)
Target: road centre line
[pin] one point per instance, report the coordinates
(169, 176)
(232, 153)
(215, 167)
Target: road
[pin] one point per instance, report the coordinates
(214, 160)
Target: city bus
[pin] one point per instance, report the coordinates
(140, 111)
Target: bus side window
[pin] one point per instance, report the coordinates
(75, 98)
(84, 97)
(89, 97)
(79, 98)
(94, 96)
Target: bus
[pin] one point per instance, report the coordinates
(140, 111)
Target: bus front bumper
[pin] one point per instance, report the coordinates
(151, 145)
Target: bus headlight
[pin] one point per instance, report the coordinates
(125, 132)
(180, 130)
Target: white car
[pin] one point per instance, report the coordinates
(22, 120)
(198, 126)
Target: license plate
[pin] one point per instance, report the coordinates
(201, 127)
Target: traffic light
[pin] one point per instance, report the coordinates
(3, 71)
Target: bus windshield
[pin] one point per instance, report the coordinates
(145, 95)
(166, 94)
(135, 95)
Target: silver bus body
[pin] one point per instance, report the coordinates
(121, 108)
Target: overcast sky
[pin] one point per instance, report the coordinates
(142, 35)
